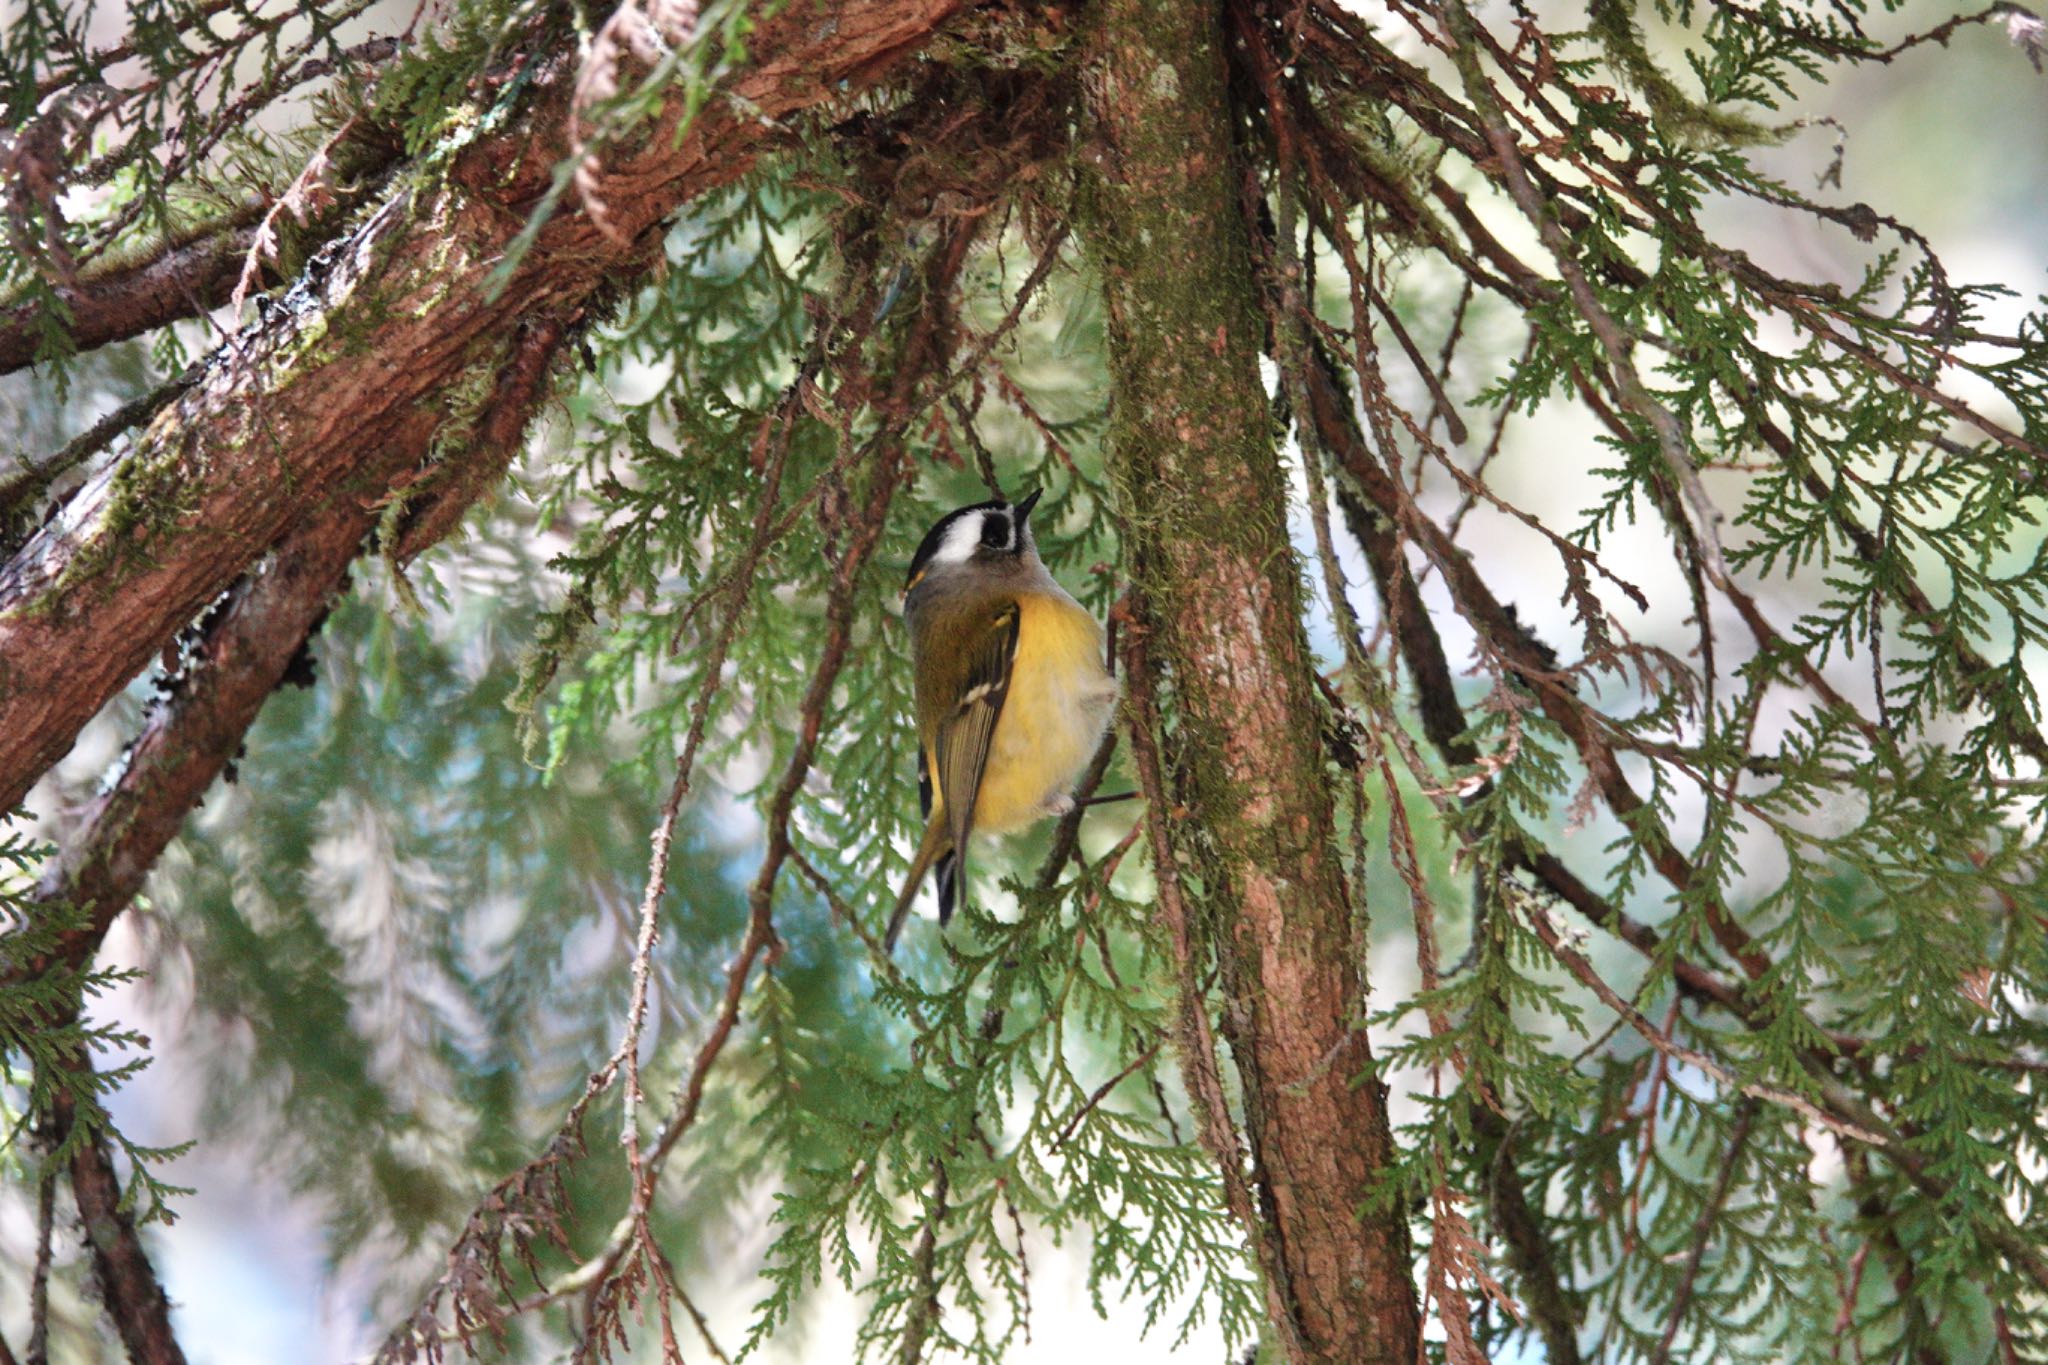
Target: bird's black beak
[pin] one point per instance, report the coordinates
(1023, 509)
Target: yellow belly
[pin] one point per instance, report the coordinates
(1059, 700)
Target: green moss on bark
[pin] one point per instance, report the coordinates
(1202, 497)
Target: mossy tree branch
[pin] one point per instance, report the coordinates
(242, 653)
(332, 395)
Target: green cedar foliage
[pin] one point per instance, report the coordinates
(57, 1066)
(418, 896)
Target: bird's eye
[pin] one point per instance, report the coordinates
(995, 532)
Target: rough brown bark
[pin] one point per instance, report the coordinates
(324, 399)
(1202, 498)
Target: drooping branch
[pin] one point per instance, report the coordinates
(1201, 502)
(326, 397)
(1703, 1226)
(1375, 506)
(527, 1204)
(133, 1295)
(1839, 1107)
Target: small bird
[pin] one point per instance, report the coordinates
(1011, 689)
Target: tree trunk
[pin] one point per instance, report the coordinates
(1203, 502)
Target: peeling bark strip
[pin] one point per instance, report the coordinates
(1203, 502)
(337, 391)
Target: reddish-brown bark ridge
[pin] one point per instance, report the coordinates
(1203, 502)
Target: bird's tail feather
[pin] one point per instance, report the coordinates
(937, 848)
(951, 873)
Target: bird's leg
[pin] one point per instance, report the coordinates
(1102, 800)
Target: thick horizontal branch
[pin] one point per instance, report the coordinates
(325, 397)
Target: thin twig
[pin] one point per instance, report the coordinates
(31, 480)
(1704, 1226)
(1672, 442)
(129, 1287)
(924, 1314)
(39, 1281)
(1101, 1092)
(1575, 963)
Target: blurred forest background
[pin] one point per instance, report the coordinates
(380, 963)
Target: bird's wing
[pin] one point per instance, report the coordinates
(964, 734)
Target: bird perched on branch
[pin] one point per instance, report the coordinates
(1012, 692)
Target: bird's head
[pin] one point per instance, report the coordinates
(988, 535)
